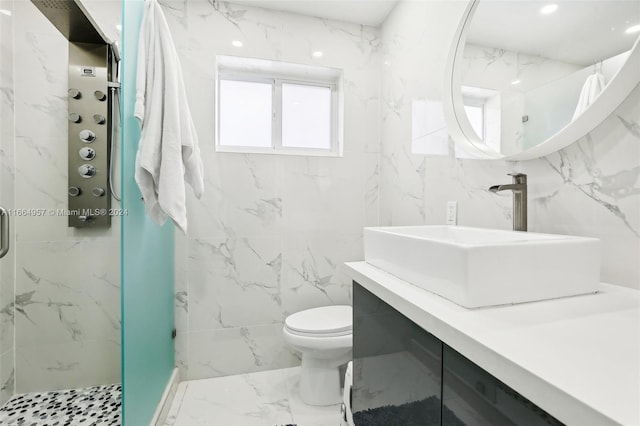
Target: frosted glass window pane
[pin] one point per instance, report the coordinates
(306, 116)
(245, 113)
(476, 118)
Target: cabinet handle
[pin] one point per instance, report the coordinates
(4, 232)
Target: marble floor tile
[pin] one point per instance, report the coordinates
(307, 415)
(241, 400)
(268, 398)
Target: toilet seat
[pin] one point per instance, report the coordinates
(326, 321)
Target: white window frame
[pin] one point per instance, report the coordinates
(276, 82)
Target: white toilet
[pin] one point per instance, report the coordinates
(325, 338)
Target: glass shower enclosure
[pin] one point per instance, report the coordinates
(147, 264)
(81, 308)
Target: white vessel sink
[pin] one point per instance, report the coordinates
(476, 267)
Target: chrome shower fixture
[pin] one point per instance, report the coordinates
(93, 64)
(72, 20)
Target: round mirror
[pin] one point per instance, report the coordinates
(527, 78)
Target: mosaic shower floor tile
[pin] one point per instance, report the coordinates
(93, 406)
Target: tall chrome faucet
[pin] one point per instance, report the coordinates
(519, 188)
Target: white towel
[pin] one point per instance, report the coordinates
(168, 154)
(592, 88)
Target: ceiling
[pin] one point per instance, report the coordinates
(364, 12)
(581, 32)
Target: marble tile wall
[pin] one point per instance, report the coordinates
(591, 188)
(271, 233)
(67, 291)
(7, 199)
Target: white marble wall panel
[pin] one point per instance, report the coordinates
(41, 183)
(248, 194)
(7, 292)
(73, 303)
(181, 252)
(591, 188)
(66, 315)
(228, 351)
(67, 365)
(372, 189)
(271, 232)
(6, 72)
(234, 282)
(7, 199)
(323, 194)
(41, 56)
(313, 269)
(67, 292)
(7, 383)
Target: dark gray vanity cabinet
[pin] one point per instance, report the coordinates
(397, 367)
(405, 376)
(471, 396)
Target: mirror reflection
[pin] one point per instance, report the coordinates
(529, 68)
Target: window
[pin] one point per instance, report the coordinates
(277, 108)
(245, 102)
(475, 113)
(484, 111)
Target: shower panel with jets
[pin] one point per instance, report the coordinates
(93, 65)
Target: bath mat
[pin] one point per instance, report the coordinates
(419, 413)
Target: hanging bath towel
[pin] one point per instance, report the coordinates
(592, 88)
(168, 155)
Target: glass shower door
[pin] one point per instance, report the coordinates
(147, 265)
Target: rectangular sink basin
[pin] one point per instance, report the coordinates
(477, 267)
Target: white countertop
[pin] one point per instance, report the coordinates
(578, 358)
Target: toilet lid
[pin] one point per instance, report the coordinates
(324, 320)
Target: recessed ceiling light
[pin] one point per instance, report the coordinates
(317, 54)
(514, 82)
(119, 27)
(5, 12)
(236, 43)
(549, 9)
(632, 29)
